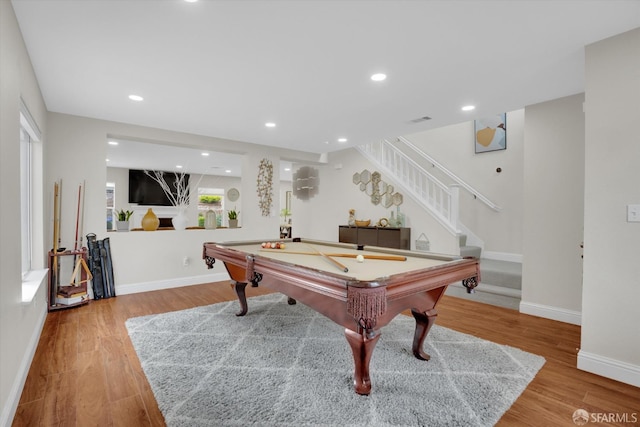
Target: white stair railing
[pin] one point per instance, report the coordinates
(455, 178)
(423, 187)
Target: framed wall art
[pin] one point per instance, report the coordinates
(491, 133)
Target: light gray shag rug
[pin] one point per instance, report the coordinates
(283, 365)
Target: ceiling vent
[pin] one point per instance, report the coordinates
(420, 119)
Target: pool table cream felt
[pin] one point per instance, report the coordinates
(368, 270)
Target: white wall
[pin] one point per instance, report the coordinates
(553, 209)
(453, 147)
(20, 324)
(610, 326)
(78, 152)
(164, 252)
(319, 217)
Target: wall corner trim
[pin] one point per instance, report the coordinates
(134, 288)
(11, 406)
(553, 313)
(609, 368)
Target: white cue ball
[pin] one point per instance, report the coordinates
(360, 258)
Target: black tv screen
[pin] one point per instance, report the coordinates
(144, 190)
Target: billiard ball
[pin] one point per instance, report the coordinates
(360, 258)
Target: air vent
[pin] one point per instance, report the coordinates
(420, 119)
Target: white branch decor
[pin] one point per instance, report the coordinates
(179, 196)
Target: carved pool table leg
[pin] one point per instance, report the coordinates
(424, 321)
(239, 287)
(362, 348)
(291, 301)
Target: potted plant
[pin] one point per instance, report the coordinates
(122, 224)
(233, 218)
(284, 212)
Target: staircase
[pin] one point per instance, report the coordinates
(501, 281)
(398, 159)
(500, 284)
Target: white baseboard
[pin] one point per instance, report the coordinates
(609, 368)
(502, 256)
(134, 288)
(553, 313)
(493, 289)
(9, 411)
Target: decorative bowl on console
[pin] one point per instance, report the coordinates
(363, 222)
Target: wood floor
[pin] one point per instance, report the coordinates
(86, 373)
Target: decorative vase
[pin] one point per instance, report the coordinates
(233, 223)
(180, 221)
(122, 225)
(150, 221)
(210, 221)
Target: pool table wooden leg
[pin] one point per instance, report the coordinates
(239, 287)
(362, 345)
(424, 321)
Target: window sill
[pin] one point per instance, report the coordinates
(32, 283)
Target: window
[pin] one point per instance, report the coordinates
(26, 190)
(111, 214)
(31, 209)
(210, 198)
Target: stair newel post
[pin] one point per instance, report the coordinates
(454, 204)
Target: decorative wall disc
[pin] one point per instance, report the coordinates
(233, 194)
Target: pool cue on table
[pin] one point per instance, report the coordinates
(341, 255)
(333, 261)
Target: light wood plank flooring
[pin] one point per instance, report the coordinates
(86, 373)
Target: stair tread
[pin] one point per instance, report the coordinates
(501, 273)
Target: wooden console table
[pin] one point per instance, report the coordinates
(386, 237)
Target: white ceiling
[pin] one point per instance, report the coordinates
(131, 154)
(224, 68)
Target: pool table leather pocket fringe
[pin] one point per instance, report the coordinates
(366, 304)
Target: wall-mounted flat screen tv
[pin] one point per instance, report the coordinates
(144, 190)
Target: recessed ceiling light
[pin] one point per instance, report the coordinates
(113, 142)
(270, 125)
(179, 166)
(468, 108)
(107, 160)
(205, 154)
(228, 171)
(136, 98)
(378, 77)
(191, 1)
(342, 139)
(287, 169)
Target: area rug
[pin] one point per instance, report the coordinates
(283, 365)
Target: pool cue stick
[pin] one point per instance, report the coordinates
(333, 261)
(342, 255)
(75, 240)
(56, 231)
(84, 185)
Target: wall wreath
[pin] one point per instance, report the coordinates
(265, 186)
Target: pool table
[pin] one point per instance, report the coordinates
(362, 295)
